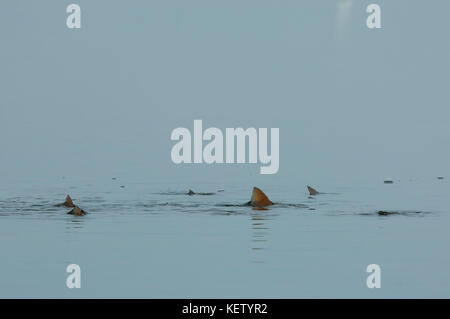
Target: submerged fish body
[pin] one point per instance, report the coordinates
(402, 213)
(386, 213)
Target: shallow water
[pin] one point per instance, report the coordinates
(152, 240)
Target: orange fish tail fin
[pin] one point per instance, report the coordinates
(259, 199)
(312, 191)
(69, 202)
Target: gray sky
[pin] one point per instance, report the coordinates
(102, 101)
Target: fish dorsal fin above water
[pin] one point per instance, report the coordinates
(77, 211)
(312, 191)
(69, 202)
(259, 199)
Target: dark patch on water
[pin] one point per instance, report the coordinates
(402, 213)
(170, 193)
(396, 213)
(283, 205)
(226, 212)
(189, 193)
(233, 205)
(274, 206)
(152, 205)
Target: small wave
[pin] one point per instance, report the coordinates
(168, 193)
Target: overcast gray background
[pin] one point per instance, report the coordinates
(101, 101)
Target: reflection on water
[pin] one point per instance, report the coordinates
(75, 223)
(166, 236)
(260, 234)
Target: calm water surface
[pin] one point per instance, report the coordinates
(151, 240)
